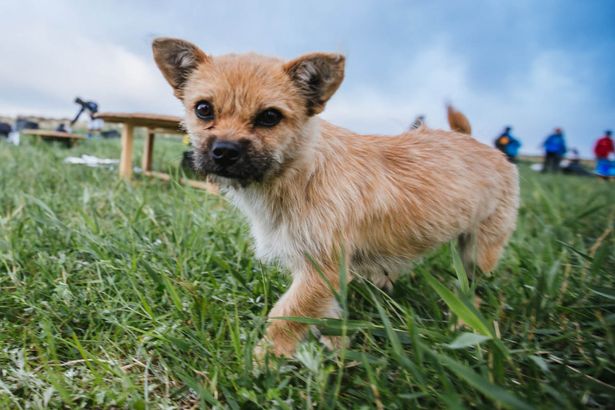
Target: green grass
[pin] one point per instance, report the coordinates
(147, 295)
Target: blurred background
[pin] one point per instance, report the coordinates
(531, 65)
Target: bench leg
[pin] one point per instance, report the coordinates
(126, 157)
(148, 150)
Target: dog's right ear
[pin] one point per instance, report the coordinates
(176, 59)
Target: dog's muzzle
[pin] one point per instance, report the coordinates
(234, 160)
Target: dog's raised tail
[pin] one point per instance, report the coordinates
(457, 121)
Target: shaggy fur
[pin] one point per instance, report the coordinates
(310, 188)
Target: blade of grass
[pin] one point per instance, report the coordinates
(459, 308)
(494, 392)
(462, 276)
(467, 340)
(398, 351)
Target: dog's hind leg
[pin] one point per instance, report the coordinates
(483, 247)
(467, 249)
(493, 234)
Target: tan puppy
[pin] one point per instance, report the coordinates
(311, 188)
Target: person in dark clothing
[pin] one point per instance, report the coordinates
(555, 148)
(5, 129)
(94, 125)
(508, 144)
(574, 166)
(417, 123)
(89, 106)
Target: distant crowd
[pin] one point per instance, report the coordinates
(557, 156)
(555, 151)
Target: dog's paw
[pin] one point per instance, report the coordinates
(335, 343)
(266, 347)
(260, 352)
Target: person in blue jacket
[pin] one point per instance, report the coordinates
(512, 149)
(508, 144)
(555, 148)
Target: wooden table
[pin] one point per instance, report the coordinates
(166, 124)
(70, 139)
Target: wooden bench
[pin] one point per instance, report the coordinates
(67, 138)
(166, 124)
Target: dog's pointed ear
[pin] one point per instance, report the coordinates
(176, 59)
(317, 76)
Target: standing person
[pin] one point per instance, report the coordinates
(602, 149)
(555, 148)
(503, 139)
(508, 144)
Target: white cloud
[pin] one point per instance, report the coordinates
(56, 64)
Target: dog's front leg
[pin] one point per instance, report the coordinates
(308, 296)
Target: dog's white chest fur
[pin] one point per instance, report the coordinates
(274, 242)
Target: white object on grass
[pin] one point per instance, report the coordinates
(536, 167)
(91, 161)
(14, 137)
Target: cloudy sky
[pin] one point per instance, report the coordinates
(532, 64)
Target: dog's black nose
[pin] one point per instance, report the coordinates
(225, 152)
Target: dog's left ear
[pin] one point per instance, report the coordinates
(317, 76)
(176, 59)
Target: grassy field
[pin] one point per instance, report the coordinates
(147, 295)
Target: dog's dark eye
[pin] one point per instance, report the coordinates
(204, 110)
(268, 118)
